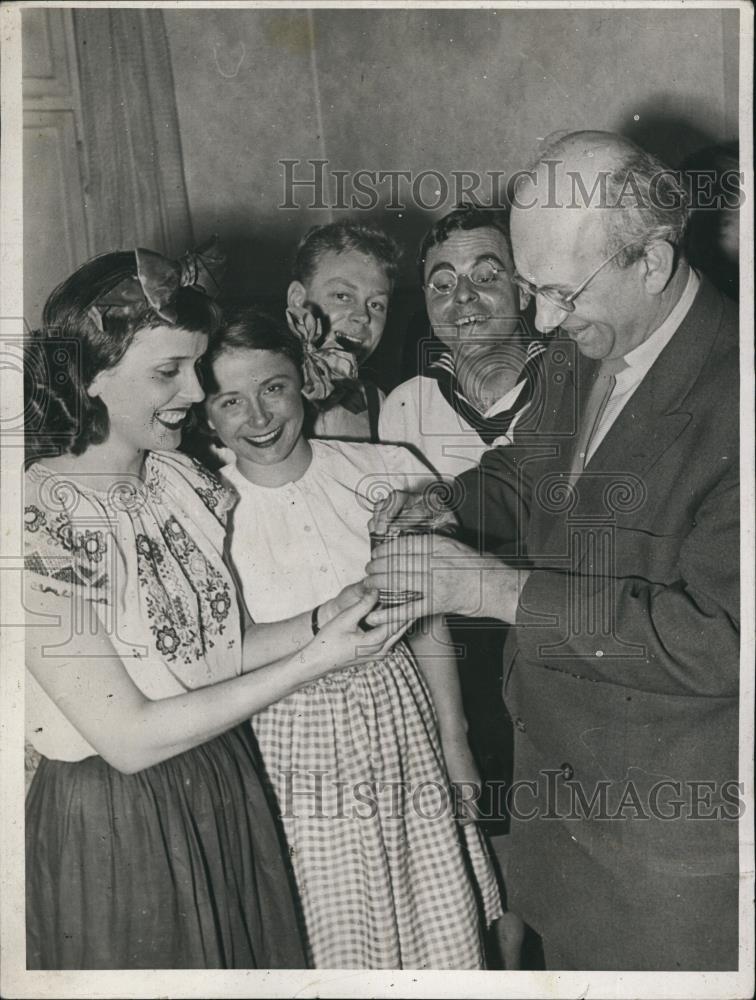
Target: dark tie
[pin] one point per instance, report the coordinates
(603, 385)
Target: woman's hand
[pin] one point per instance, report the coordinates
(344, 640)
(344, 600)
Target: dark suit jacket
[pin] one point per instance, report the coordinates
(622, 673)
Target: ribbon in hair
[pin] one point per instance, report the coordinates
(158, 281)
(324, 363)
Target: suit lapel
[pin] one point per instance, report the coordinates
(655, 414)
(647, 427)
(552, 417)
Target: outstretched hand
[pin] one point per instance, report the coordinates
(346, 598)
(345, 640)
(444, 571)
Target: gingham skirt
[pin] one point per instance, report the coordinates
(387, 878)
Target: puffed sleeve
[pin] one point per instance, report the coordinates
(63, 557)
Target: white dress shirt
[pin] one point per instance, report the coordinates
(640, 360)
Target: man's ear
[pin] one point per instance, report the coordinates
(660, 266)
(296, 294)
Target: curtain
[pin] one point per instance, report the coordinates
(134, 192)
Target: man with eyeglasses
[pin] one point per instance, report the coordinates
(480, 374)
(479, 371)
(622, 674)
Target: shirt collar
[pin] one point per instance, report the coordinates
(644, 355)
(505, 402)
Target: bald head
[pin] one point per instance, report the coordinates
(596, 202)
(602, 149)
(635, 196)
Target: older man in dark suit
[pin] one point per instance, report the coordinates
(621, 507)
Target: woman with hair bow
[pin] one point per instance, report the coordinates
(149, 840)
(356, 760)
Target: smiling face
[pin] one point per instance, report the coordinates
(149, 392)
(350, 292)
(257, 412)
(473, 318)
(557, 249)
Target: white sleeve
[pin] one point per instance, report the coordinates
(406, 469)
(398, 415)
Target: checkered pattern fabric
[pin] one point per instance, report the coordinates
(381, 864)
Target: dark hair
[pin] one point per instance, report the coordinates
(463, 218)
(64, 356)
(249, 329)
(341, 237)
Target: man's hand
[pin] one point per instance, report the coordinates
(453, 579)
(433, 566)
(402, 511)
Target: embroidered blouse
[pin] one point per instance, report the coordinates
(147, 558)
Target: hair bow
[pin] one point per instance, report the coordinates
(324, 362)
(159, 279)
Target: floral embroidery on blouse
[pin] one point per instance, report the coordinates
(147, 553)
(92, 544)
(180, 634)
(34, 518)
(59, 533)
(212, 493)
(149, 549)
(184, 590)
(208, 497)
(167, 641)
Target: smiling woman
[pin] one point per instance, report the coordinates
(260, 413)
(98, 315)
(299, 534)
(163, 360)
(136, 697)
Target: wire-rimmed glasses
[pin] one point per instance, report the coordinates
(564, 302)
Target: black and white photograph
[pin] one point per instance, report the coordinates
(377, 462)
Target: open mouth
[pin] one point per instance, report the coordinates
(172, 419)
(470, 320)
(348, 342)
(265, 440)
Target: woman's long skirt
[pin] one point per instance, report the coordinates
(387, 878)
(179, 866)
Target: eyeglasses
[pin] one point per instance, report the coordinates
(444, 281)
(564, 302)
